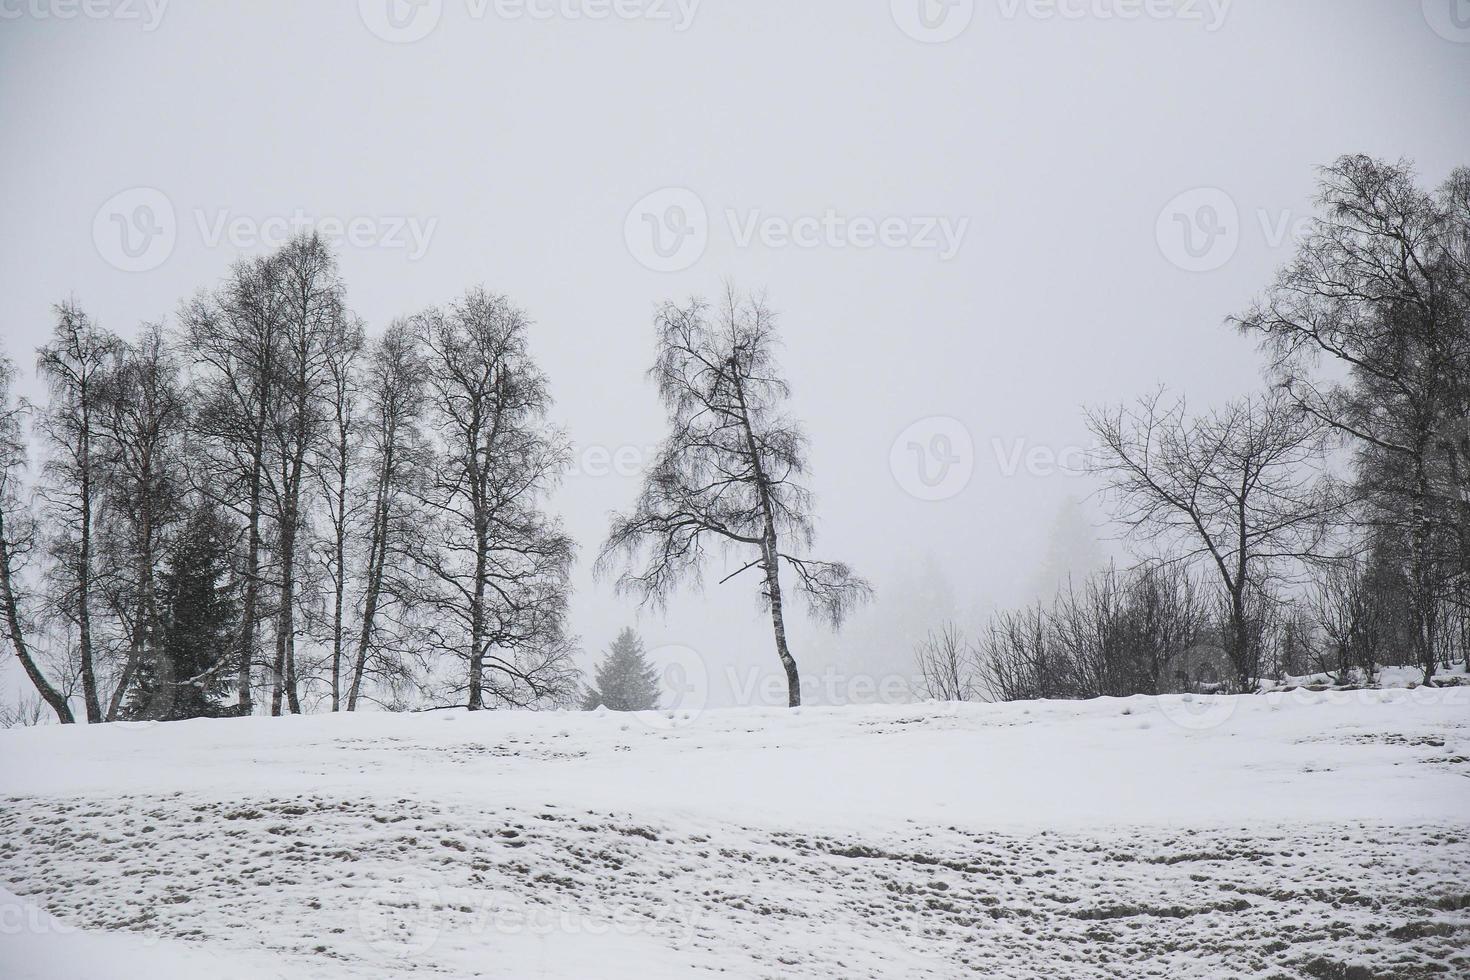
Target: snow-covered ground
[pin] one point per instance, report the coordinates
(1302, 834)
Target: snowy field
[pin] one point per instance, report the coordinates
(1316, 835)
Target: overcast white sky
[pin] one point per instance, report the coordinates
(517, 140)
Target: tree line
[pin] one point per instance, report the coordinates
(265, 508)
(1259, 557)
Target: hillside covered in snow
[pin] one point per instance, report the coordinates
(1287, 835)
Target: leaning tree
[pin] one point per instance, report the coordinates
(729, 473)
(17, 545)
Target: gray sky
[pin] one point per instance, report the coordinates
(534, 148)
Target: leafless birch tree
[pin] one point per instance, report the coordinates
(493, 564)
(314, 321)
(396, 455)
(235, 337)
(336, 467)
(73, 365)
(141, 446)
(728, 474)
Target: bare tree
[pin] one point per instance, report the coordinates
(336, 467)
(1241, 487)
(28, 712)
(1018, 659)
(74, 365)
(1165, 618)
(1381, 288)
(946, 665)
(18, 541)
(493, 565)
(313, 321)
(141, 433)
(1346, 616)
(235, 337)
(729, 472)
(396, 454)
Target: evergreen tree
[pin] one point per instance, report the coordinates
(626, 681)
(182, 676)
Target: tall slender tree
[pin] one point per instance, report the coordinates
(493, 564)
(730, 472)
(141, 446)
(313, 321)
(336, 471)
(235, 336)
(397, 456)
(74, 365)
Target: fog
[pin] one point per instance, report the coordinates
(969, 239)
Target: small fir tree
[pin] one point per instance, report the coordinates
(182, 675)
(626, 681)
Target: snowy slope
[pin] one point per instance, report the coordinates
(1294, 834)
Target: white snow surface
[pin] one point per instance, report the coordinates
(1296, 834)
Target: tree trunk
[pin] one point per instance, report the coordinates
(778, 622)
(341, 587)
(49, 694)
(1426, 600)
(477, 625)
(252, 590)
(146, 611)
(771, 555)
(84, 571)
